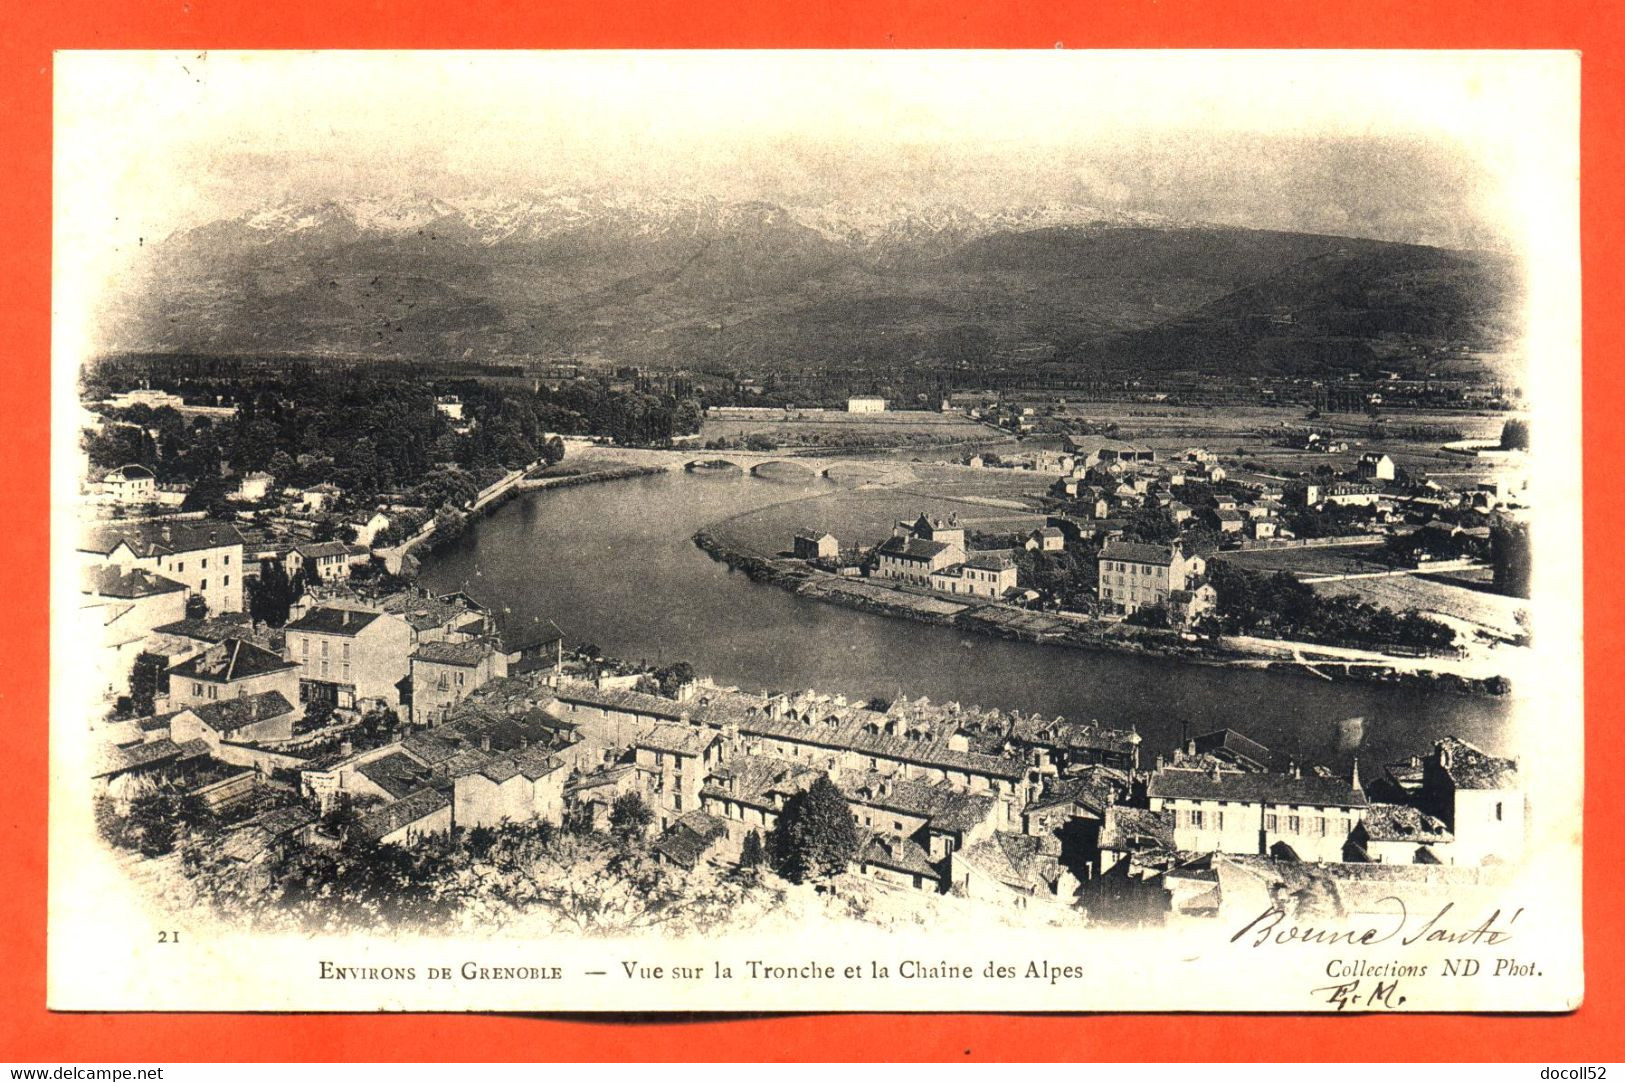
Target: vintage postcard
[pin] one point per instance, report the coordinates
(909, 531)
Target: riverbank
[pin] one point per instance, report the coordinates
(1024, 625)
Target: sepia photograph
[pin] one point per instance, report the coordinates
(763, 531)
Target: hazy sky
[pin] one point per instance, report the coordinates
(1428, 147)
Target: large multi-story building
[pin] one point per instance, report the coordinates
(917, 549)
(204, 557)
(352, 657)
(1134, 575)
(1225, 810)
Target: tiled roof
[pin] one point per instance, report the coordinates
(1402, 823)
(944, 808)
(754, 779)
(676, 739)
(396, 774)
(322, 550)
(688, 840)
(1096, 789)
(1137, 552)
(632, 702)
(1471, 767)
(132, 472)
(850, 733)
(231, 659)
(896, 852)
(216, 628)
(1254, 788)
(913, 548)
(285, 820)
(229, 715)
(401, 813)
(1235, 744)
(148, 539)
(328, 621)
(114, 760)
(1079, 735)
(1127, 829)
(993, 561)
(465, 654)
(137, 582)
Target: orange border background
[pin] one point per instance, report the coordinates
(30, 31)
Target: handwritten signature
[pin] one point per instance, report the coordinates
(1347, 995)
(1390, 921)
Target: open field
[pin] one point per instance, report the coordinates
(1332, 560)
(1493, 612)
(834, 429)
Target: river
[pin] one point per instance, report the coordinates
(613, 564)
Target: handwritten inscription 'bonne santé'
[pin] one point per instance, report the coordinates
(1390, 923)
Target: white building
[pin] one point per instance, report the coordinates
(865, 404)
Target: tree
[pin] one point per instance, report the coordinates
(318, 712)
(673, 678)
(629, 816)
(1515, 435)
(152, 824)
(553, 451)
(281, 467)
(815, 837)
(751, 855)
(149, 678)
(196, 607)
(270, 595)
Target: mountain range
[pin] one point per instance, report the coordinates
(700, 281)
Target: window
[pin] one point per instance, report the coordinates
(897, 826)
(180, 567)
(1271, 823)
(1218, 820)
(227, 581)
(1197, 820)
(324, 650)
(228, 559)
(1497, 811)
(1293, 824)
(347, 651)
(197, 689)
(304, 645)
(1323, 826)
(205, 563)
(204, 585)
(324, 666)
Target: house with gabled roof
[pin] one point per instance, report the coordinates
(205, 557)
(1134, 575)
(352, 657)
(672, 762)
(1479, 798)
(267, 717)
(517, 787)
(407, 820)
(1223, 810)
(693, 838)
(230, 669)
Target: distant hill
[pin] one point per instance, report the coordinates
(686, 282)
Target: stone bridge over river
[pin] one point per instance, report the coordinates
(768, 463)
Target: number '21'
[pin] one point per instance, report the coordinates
(169, 937)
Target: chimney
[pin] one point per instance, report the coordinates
(485, 741)
(1215, 771)
(346, 749)
(1354, 777)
